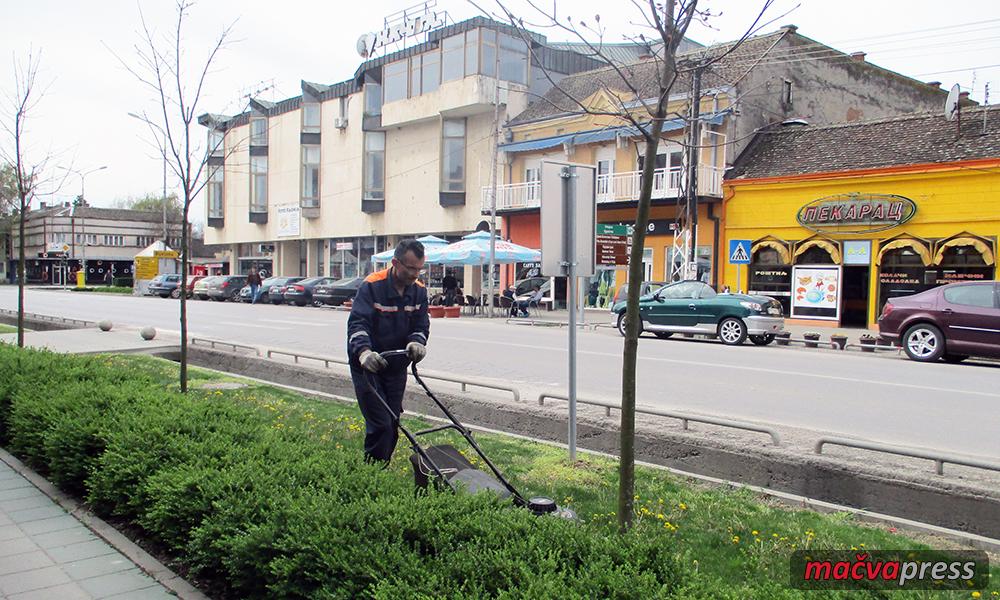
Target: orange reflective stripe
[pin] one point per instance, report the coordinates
(378, 276)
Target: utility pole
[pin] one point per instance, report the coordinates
(493, 183)
(694, 148)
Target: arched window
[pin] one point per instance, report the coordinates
(815, 256)
(767, 256)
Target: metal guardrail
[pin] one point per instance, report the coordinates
(939, 458)
(684, 417)
(875, 348)
(39, 317)
(463, 381)
(214, 343)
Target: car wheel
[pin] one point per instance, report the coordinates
(175, 294)
(622, 324)
(762, 340)
(732, 331)
(923, 342)
(276, 302)
(663, 335)
(317, 303)
(954, 358)
(300, 303)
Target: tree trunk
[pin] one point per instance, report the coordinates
(20, 277)
(184, 270)
(626, 472)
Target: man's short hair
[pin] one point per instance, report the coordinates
(408, 245)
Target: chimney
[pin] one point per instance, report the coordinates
(963, 98)
(790, 28)
(41, 206)
(645, 52)
(859, 56)
(934, 83)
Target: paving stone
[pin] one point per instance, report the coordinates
(64, 537)
(151, 593)
(14, 483)
(32, 580)
(9, 532)
(18, 504)
(81, 551)
(116, 583)
(21, 492)
(100, 565)
(67, 591)
(24, 562)
(36, 514)
(17, 546)
(63, 521)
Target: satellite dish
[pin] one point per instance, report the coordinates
(951, 104)
(364, 45)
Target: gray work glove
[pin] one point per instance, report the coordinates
(372, 361)
(416, 351)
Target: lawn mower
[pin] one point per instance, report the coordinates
(444, 464)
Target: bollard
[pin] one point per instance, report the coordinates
(147, 333)
(105, 325)
(811, 339)
(839, 340)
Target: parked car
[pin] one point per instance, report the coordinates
(200, 288)
(528, 285)
(645, 288)
(188, 286)
(951, 322)
(163, 285)
(300, 293)
(225, 287)
(694, 307)
(338, 292)
(275, 288)
(243, 295)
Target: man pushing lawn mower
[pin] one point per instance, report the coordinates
(389, 312)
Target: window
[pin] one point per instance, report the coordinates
(258, 184)
(452, 58)
(216, 185)
(533, 175)
(59, 237)
(216, 143)
(488, 64)
(394, 81)
(431, 72)
(471, 52)
(374, 166)
(144, 240)
(373, 99)
(311, 112)
(415, 76)
(970, 295)
(114, 240)
(513, 59)
(258, 131)
(453, 155)
(605, 168)
(310, 176)
(685, 290)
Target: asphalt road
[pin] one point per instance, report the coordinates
(940, 406)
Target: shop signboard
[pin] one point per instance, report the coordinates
(613, 245)
(166, 254)
(341, 246)
(816, 292)
(856, 213)
(858, 252)
(146, 267)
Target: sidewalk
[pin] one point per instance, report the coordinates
(46, 553)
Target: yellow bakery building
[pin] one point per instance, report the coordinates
(841, 218)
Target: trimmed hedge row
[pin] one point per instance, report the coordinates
(263, 503)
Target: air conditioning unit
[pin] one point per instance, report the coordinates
(340, 122)
(265, 248)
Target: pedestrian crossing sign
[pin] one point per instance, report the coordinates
(739, 252)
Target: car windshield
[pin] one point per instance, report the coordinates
(311, 281)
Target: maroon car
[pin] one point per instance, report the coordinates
(950, 322)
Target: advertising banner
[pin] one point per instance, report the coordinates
(816, 292)
(289, 218)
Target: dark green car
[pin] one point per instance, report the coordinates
(694, 307)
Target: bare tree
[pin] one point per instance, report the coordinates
(639, 96)
(30, 169)
(161, 66)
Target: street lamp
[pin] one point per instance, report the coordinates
(163, 200)
(72, 214)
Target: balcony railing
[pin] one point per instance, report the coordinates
(614, 187)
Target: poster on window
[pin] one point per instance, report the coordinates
(816, 292)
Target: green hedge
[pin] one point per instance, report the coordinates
(264, 502)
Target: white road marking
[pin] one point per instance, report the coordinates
(248, 324)
(303, 323)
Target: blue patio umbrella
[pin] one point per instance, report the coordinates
(474, 249)
(430, 243)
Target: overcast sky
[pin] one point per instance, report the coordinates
(84, 118)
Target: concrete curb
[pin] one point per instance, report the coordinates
(142, 559)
